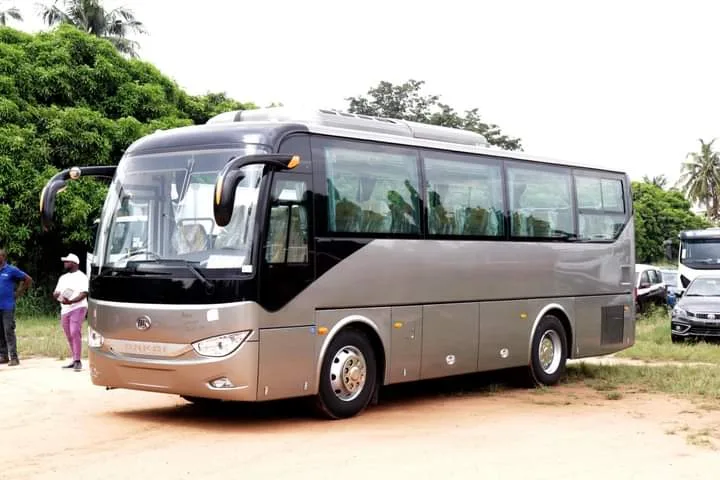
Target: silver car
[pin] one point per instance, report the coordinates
(697, 313)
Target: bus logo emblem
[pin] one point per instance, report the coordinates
(143, 323)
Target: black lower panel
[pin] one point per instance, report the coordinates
(179, 291)
(330, 252)
(182, 289)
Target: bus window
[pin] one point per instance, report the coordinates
(540, 202)
(601, 209)
(372, 189)
(464, 195)
(287, 238)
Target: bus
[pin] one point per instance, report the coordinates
(347, 252)
(698, 253)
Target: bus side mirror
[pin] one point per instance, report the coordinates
(58, 183)
(231, 175)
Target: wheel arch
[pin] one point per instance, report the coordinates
(367, 327)
(561, 313)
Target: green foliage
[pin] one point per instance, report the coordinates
(659, 215)
(407, 103)
(69, 98)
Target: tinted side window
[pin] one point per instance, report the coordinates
(541, 203)
(645, 278)
(287, 238)
(371, 189)
(464, 195)
(601, 207)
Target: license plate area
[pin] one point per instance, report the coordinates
(145, 349)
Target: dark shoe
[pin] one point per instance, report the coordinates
(13, 363)
(69, 365)
(3, 360)
(77, 366)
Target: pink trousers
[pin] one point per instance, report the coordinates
(72, 326)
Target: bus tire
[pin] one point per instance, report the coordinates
(348, 376)
(548, 354)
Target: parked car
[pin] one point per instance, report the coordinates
(697, 312)
(670, 279)
(649, 287)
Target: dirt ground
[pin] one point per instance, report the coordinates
(56, 424)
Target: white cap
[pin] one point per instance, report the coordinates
(71, 258)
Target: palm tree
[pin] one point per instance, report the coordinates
(658, 180)
(700, 179)
(91, 16)
(11, 12)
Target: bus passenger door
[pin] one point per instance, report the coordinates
(286, 257)
(286, 269)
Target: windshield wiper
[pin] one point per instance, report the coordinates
(561, 235)
(209, 285)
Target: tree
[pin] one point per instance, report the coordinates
(68, 98)
(8, 13)
(700, 178)
(406, 102)
(91, 16)
(659, 215)
(658, 180)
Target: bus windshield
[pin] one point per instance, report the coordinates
(160, 207)
(701, 252)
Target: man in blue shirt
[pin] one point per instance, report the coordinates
(10, 276)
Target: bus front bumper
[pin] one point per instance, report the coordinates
(233, 377)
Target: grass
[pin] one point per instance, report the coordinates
(43, 336)
(652, 342)
(687, 381)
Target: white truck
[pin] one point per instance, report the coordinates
(698, 253)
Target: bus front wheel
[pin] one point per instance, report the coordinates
(348, 375)
(548, 354)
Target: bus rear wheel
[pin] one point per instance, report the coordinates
(348, 376)
(548, 354)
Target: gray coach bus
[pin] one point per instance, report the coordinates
(326, 254)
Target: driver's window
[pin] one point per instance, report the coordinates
(287, 238)
(644, 279)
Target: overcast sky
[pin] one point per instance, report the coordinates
(630, 84)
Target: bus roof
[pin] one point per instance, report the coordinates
(266, 125)
(712, 232)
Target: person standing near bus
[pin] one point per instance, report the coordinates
(10, 276)
(71, 291)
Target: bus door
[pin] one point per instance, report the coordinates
(286, 257)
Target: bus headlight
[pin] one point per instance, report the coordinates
(95, 340)
(221, 345)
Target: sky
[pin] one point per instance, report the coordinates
(624, 84)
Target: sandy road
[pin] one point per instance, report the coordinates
(56, 424)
